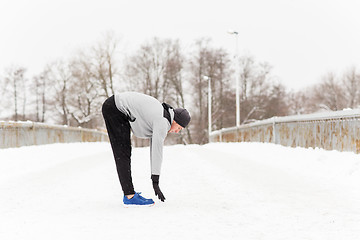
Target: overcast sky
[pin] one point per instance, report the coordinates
(301, 39)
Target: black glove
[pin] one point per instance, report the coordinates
(155, 181)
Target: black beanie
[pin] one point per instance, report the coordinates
(182, 116)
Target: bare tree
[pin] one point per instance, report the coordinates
(173, 74)
(84, 94)
(198, 68)
(213, 63)
(103, 64)
(351, 85)
(218, 68)
(277, 104)
(329, 94)
(146, 69)
(247, 74)
(15, 81)
(59, 76)
(40, 91)
(258, 90)
(299, 102)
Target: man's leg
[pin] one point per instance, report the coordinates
(118, 128)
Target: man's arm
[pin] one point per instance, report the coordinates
(156, 149)
(156, 152)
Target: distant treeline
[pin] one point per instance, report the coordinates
(71, 91)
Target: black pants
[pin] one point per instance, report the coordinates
(118, 128)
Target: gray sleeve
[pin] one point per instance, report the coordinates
(156, 149)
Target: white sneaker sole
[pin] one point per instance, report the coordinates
(137, 206)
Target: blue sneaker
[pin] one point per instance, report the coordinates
(138, 200)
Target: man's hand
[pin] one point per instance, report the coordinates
(155, 181)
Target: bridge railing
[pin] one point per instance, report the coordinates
(17, 134)
(338, 130)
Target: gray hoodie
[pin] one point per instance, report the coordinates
(146, 121)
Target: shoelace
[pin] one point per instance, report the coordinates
(138, 193)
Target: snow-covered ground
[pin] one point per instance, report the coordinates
(216, 191)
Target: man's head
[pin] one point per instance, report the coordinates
(182, 116)
(181, 120)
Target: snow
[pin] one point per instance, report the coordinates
(215, 191)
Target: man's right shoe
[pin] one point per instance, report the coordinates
(138, 200)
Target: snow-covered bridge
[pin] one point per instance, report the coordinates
(216, 191)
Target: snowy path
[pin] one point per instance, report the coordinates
(216, 191)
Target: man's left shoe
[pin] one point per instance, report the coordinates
(137, 199)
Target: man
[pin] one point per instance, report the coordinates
(147, 118)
